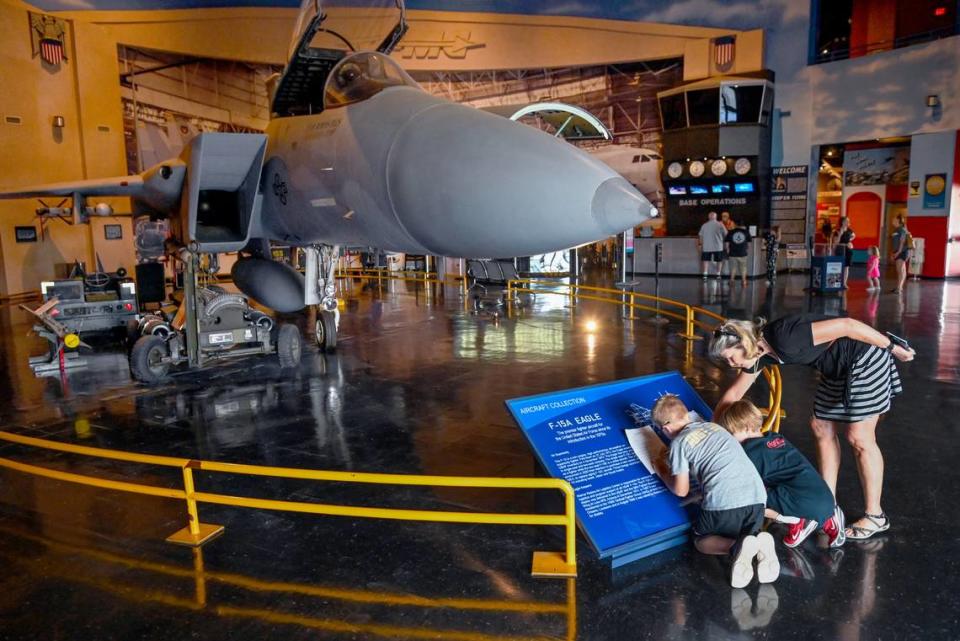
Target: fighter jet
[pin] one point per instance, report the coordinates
(357, 154)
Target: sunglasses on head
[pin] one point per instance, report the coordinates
(721, 331)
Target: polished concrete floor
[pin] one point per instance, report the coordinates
(418, 385)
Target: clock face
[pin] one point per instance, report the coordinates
(696, 169)
(674, 170)
(718, 167)
(742, 166)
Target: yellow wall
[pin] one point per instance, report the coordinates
(499, 41)
(85, 91)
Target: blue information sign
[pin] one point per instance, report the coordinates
(579, 435)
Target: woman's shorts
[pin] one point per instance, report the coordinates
(870, 387)
(904, 255)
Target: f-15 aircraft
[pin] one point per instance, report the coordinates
(357, 154)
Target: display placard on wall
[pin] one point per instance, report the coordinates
(788, 202)
(580, 435)
(25, 234)
(935, 191)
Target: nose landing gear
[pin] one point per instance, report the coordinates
(321, 290)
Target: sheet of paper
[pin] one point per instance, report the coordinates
(645, 444)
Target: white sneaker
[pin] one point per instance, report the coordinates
(768, 566)
(742, 555)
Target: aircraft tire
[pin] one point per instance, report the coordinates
(145, 364)
(288, 345)
(326, 330)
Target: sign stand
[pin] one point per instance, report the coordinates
(600, 440)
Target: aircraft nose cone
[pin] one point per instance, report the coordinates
(617, 206)
(463, 182)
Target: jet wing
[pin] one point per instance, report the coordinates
(158, 188)
(119, 186)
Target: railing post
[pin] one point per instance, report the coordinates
(631, 305)
(689, 329)
(196, 533)
(571, 514)
(560, 564)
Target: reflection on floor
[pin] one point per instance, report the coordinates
(418, 386)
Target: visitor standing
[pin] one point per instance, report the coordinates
(843, 247)
(873, 269)
(710, 240)
(902, 247)
(738, 248)
(727, 221)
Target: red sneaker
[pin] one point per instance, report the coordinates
(799, 532)
(833, 528)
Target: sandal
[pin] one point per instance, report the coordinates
(878, 523)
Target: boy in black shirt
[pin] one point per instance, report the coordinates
(796, 495)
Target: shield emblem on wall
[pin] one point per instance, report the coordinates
(724, 50)
(48, 37)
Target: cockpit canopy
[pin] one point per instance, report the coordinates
(346, 25)
(326, 34)
(361, 76)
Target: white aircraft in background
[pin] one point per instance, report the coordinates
(639, 165)
(358, 155)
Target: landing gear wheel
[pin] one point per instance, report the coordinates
(326, 330)
(146, 360)
(288, 346)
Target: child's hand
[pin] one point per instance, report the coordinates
(788, 520)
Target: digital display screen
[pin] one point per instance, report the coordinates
(743, 188)
(719, 189)
(676, 190)
(698, 189)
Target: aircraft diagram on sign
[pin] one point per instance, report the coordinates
(357, 154)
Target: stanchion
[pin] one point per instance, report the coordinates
(657, 259)
(623, 262)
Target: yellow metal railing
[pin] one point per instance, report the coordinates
(691, 316)
(196, 533)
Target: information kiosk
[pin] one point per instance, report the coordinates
(598, 439)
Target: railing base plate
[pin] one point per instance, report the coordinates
(552, 565)
(208, 532)
(690, 337)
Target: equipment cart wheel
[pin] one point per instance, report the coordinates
(147, 360)
(288, 345)
(326, 330)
